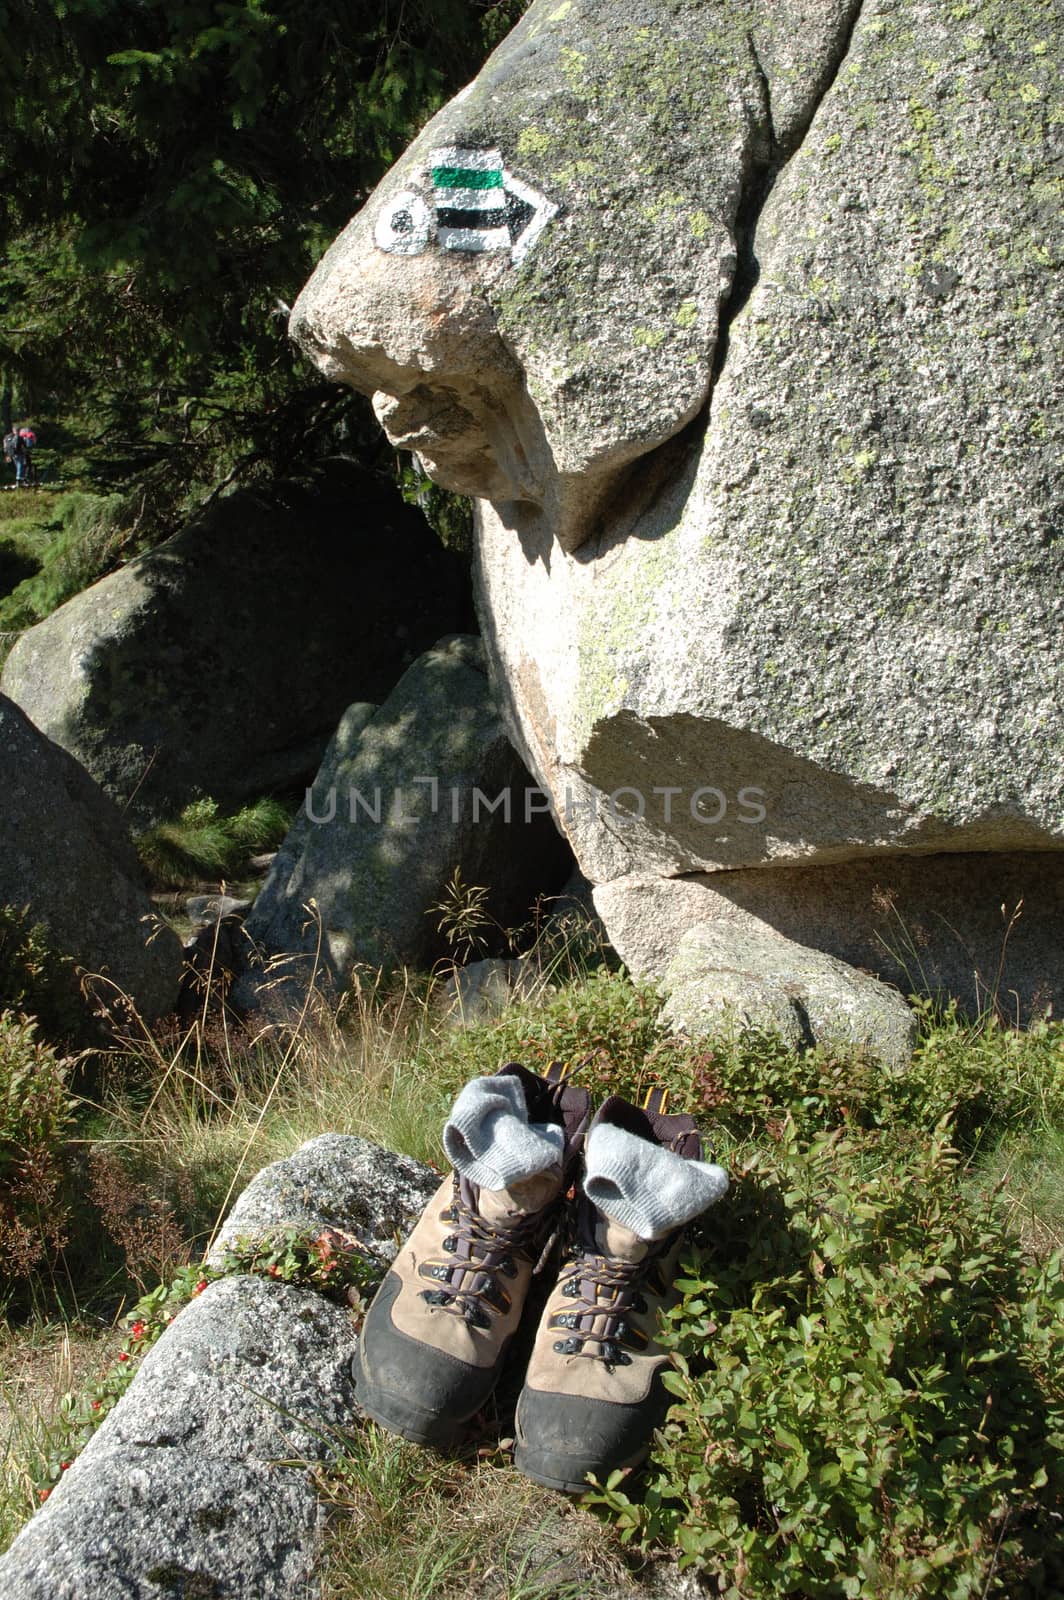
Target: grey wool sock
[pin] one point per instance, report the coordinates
(489, 1139)
(645, 1187)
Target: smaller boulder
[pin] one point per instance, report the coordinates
(333, 1181)
(429, 787)
(745, 977)
(483, 990)
(218, 662)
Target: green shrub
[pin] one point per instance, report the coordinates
(35, 978)
(869, 1388)
(604, 1026)
(984, 1076)
(36, 1110)
(205, 843)
(87, 534)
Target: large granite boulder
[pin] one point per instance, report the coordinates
(65, 855)
(818, 622)
(219, 662)
(430, 785)
(533, 294)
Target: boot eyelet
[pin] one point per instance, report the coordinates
(496, 1296)
(450, 1244)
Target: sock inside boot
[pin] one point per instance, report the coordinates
(645, 1187)
(489, 1139)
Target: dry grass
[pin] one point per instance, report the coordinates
(41, 1366)
(410, 1525)
(1028, 1171)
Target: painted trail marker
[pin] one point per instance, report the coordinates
(467, 190)
(476, 206)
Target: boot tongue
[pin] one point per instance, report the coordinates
(519, 1199)
(614, 1239)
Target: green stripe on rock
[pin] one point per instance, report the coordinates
(466, 178)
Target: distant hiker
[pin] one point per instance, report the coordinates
(29, 442)
(17, 452)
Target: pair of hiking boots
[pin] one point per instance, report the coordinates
(436, 1337)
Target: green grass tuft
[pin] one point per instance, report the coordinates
(72, 540)
(205, 843)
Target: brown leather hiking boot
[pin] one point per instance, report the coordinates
(435, 1338)
(593, 1393)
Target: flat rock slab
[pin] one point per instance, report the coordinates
(744, 977)
(984, 929)
(149, 1524)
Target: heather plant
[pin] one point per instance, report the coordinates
(35, 979)
(868, 1387)
(36, 1111)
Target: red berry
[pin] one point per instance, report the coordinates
(63, 1465)
(42, 1494)
(137, 1330)
(123, 1355)
(96, 1405)
(200, 1286)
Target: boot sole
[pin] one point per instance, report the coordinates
(557, 1472)
(397, 1415)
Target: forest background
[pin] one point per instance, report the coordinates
(169, 175)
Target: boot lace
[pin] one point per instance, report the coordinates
(604, 1291)
(483, 1254)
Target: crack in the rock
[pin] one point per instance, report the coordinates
(757, 190)
(766, 92)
